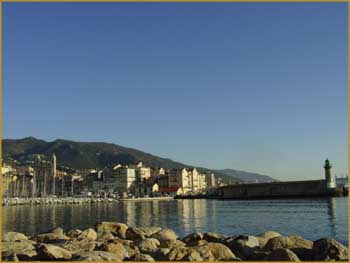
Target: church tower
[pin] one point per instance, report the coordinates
(329, 179)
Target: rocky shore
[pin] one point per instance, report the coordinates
(54, 200)
(111, 241)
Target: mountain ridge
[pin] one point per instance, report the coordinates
(80, 155)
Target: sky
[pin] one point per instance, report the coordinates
(248, 86)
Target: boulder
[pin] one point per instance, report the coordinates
(78, 245)
(88, 234)
(258, 256)
(96, 256)
(115, 247)
(183, 254)
(133, 233)
(58, 231)
(172, 244)
(165, 235)
(118, 228)
(191, 238)
(50, 238)
(142, 257)
(197, 243)
(9, 257)
(301, 247)
(160, 254)
(214, 237)
(328, 249)
(270, 234)
(14, 236)
(282, 254)
(48, 252)
(104, 236)
(266, 236)
(74, 233)
(149, 231)
(243, 246)
(129, 246)
(23, 250)
(147, 245)
(218, 251)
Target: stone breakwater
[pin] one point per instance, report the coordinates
(111, 241)
(54, 200)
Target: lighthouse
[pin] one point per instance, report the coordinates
(329, 179)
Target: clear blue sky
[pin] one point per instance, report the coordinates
(256, 87)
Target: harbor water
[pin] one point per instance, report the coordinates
(312, 218)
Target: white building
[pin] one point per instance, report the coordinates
(125, 179)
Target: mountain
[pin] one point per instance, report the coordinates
(79, 155)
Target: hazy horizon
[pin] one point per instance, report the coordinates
(258, 87)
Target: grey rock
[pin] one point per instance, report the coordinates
(160, 254)
(214, 237)
(23, 250)
(6, 256)
(142, 257)
(78, 245)
(147, 245)
(300, 246)
(215, 252)
(282, 254)
(149, 231)
(134, 234)
(183, 254)
(243, 246)
(96, 256)
(51, 252)
(74, 233)
(191, 238)
(14, 236)
(172, 244)
(118, 228)
(50, 238)
(116, 247)
(266, 236)
(328, 249)
(88, 234)
(165, 235)
(105, 235)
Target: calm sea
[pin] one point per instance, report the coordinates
(310, 218)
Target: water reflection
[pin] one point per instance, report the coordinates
(311, 218)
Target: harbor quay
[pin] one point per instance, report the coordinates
(43, 178)
(114, 241)
(44, 182)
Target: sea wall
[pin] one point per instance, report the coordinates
(276, 189)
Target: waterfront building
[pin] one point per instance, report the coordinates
(125, 179)
(148, 187)
(163, 181)
(70, 184)
(8, 173)
(170, 191)
(189, 180)
(180, 178)
(45, 176)
(141, 172)
(210, 180)
(156, 172)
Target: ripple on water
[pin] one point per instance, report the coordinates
(310, 218)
